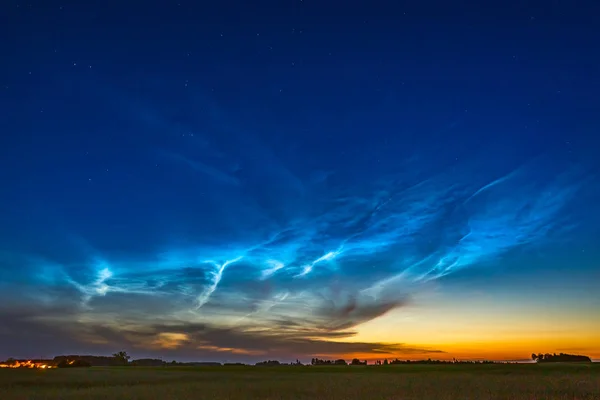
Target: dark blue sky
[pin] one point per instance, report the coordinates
(196, 168)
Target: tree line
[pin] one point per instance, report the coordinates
(121, 358)
(561, 357)
(355, 361)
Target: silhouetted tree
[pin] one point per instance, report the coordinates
(122, 357)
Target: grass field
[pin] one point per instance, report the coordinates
(399, 382)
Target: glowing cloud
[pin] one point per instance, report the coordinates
(218, 275)
(292, 264)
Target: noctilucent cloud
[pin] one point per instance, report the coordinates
(291, 179)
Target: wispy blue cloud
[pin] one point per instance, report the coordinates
(292, 257)
(208, 170)
(356, 259)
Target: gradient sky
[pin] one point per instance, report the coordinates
(237, 181)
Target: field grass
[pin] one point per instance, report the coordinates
(436, 382)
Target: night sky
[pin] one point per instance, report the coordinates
(244, 180)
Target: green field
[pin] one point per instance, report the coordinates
(530, 381)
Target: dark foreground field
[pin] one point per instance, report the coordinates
(369, 383)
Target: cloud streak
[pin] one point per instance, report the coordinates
(209, 171)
